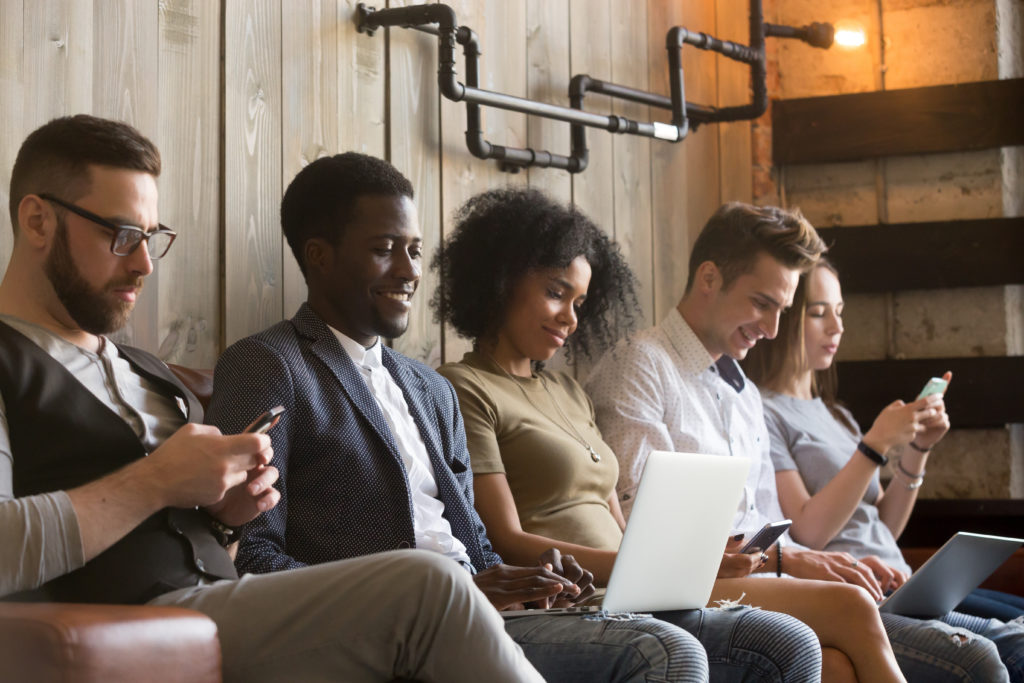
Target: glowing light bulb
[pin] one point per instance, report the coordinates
(850, 36)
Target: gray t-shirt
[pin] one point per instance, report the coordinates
(807, 438)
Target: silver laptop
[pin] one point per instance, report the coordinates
(957, 568)
(675, 537)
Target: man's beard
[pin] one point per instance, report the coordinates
(86, 305)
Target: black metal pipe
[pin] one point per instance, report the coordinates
(684, 115)
(815, 34)
(509, 158)
(474, 96)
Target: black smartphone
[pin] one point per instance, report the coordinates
(768, 534)
(266, 421)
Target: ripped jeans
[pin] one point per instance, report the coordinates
(957, 647)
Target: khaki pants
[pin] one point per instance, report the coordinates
(403, 614)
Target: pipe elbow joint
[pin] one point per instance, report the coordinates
(675, 37)
(479, 147)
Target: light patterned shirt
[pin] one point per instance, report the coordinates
(431, 529)
(662, 390)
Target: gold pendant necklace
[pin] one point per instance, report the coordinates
(574, 434)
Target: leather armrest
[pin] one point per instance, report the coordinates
(44, 642)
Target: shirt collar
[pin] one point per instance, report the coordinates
(360, 355)
(693, 357)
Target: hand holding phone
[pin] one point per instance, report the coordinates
(936, 385)
(767, 535)
(265, 422)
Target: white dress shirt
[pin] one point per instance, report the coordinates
(431, 529)
(662, 390)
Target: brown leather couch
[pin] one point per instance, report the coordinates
(72, 643)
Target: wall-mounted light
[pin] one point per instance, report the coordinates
(849, 35)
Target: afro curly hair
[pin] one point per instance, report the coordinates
(499, 237)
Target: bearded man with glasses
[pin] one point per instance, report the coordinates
(112, 490)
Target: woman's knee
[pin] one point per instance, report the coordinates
(850, 600)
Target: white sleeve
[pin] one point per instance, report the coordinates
(39, 534)
(628, 398)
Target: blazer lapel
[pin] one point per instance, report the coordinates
(327, 348)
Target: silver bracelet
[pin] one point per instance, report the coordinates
(914, 481)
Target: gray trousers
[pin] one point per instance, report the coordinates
(402, 614)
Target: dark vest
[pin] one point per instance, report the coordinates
(62, 436)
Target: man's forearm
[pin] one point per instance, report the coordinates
(39, 535)
(110, 507)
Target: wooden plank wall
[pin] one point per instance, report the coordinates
(241, 94)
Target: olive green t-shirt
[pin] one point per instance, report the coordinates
(514, 426)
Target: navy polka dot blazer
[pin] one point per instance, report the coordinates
(344, 490)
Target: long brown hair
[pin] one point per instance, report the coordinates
(772, 363)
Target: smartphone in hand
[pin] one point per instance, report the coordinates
(936, 385)
(767, 535)
(265, 422)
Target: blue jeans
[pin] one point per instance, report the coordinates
(748, 644)
(982, 602)
(957, 647)
(611, 648)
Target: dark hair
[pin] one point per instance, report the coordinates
(738, 233)
(500, 236)
(55, 157)
(321, 198)
(773, 362)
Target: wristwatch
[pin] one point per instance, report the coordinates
(225, 534)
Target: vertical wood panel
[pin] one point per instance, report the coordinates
(633, 211)
(734, 138)
(12, 110)
(46, 72)
(501, 25)
(189, 131)
(310, 31)
(701, 147)
(125, 87)
(415, 139)
(669, 190)
(547, 80)
(591, 44)
(361, 92)
(252, 167)
(57, 71)
(685, 175)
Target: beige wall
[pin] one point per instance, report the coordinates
(913, 43)
(298, 82)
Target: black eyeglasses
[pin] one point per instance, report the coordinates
(127, 238)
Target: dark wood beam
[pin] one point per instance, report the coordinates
(971, 253)
(944, 118)
(985, 392)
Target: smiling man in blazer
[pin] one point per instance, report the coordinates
(371, 449)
